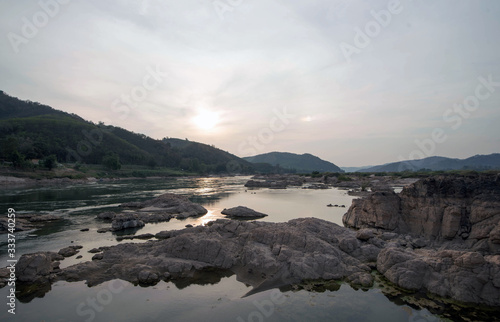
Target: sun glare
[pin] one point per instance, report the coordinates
(206, 120)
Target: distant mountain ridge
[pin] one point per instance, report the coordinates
(436, 163)
(300, 162)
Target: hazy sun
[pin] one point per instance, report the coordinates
(206, 120)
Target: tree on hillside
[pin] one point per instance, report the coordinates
(50, 162)
(112, 161)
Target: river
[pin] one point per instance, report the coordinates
(215, 297)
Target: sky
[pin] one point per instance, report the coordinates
(353, 82)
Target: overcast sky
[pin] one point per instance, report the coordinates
(353, 82)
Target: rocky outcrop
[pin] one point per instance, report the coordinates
(266, 184)
(26, 222)
(438, 208)
(159, 209)
(462, 275)
(38, 268)
(69, 251)
(242, 212)
(125, 221)
(275, 181)
(451, 224)
(256, 251)
(169, 204)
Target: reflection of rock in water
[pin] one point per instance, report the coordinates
(204, 277)
(26, 292)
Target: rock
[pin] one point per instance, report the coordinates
(148, 277)
(257, 251)
(166, 206)
(365, 234)
(142, 236)
(69, 251)
(43, 218)
(242, 212)
(98, 256)
(79, 256)
(317, 186)
(103, 230)
(85, 229)
(35, 268)
(189, 226)
(108, 215)
(378, 210)
(95, 250)
(124, 221)
(275, 181)
(21, 225)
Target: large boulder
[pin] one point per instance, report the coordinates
(37, 267)
(127, 220)
(242, 212)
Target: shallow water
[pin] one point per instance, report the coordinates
(220, 298)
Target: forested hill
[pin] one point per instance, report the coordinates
(30, 130)
(477, 162)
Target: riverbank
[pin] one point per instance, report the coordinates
(67, 174)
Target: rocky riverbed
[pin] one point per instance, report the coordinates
(439, 235)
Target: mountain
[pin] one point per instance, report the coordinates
(355, 169)
(477, 162)
(300, 162)
(30, 130)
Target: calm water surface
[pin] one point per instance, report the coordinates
(214, 298)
